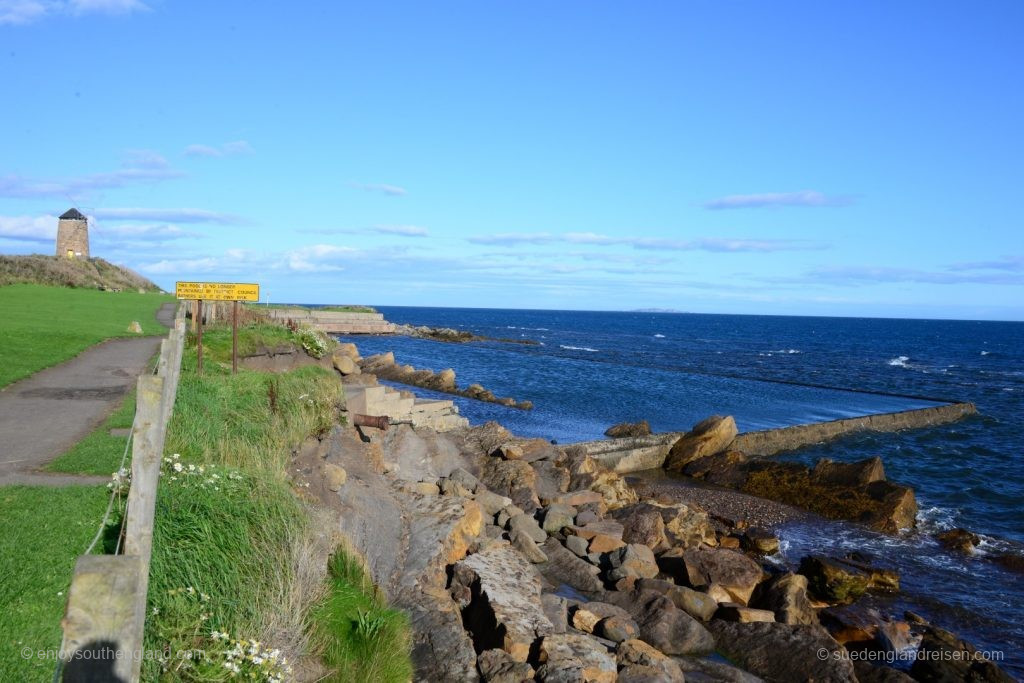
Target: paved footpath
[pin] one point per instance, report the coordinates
(45, 414)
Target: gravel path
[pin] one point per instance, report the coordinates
(44, 415)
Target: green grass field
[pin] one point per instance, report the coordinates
(42, 532)
(43, 326)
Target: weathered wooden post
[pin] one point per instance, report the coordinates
(234, 337)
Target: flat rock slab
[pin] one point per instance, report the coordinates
(506, 597)
(44, 415)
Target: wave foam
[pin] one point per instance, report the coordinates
(899, 361)
(577, 348)
(659, 336)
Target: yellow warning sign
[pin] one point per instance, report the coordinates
(217, 291)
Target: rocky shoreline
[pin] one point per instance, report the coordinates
(453, 336)
(520, 560)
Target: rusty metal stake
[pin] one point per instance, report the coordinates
(376, 421)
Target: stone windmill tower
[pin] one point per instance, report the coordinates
(73, 235)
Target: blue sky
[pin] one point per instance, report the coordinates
(738, 157)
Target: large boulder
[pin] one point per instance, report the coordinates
(860, 473)
(625, 430)
(504, 609)
(569, 657)
(498, 666)
(669, 628)
(633, 560)
(642, 523)
(345, 364)
(707, 437)
(564, 566)
(637, 653)
(782, 653)
(842, 581)
(786, 596)
(942, 657)
(513, 479)
(698, 605)
(734, 572)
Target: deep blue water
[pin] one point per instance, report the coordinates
(598, 368)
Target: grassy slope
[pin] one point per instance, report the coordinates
(42, 326)
(238, 541)
(42, 532)
(94, 273)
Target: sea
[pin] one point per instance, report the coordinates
(589, 370)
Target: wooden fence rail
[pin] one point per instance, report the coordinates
(106, 612)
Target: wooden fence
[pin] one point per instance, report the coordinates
(106, 612)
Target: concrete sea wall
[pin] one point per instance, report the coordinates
(649, 452)
(335, 322)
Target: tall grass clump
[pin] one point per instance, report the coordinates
(237, 584)
(360, 638)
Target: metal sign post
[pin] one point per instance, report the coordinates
(234, 337)
(199, 337)
(217, 291)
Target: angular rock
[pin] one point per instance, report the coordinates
(571, 657)
(786, 596)
(557, 516)
(557, 610)
(842, 580)
(505, 611)
(618, 629)
(527, 525)
(783, 652)
(642, 523)
(730, 611)
(604, 528)
(552, 480)
(733, 571)
(527, 546)
(508, 451)
(672, 630)
(707, 437)
(497, 666)
(577, 498)
(686, 525)
(513, 479)
(491, 502)
(577, 544)
(345, 364)
(614, 489)
(625, 430)
(569, 569)
(635, 652)
(586, 616)
(960, 540)
(760, 541)
(858, 473)
(603, 544)
(720, 469)
(943, 656)
(696, 604)
(633, 560)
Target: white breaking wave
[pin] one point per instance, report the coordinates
(899, 361)
(659, 336)
(985, 353)
(577, 348)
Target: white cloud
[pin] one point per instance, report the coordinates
(21, 11)
(144, 232)
(404, 230)
(318, 258)
(383, 188)
(227, 149)
(29, 228)
(106, 6)
(169, 215)
(14, 12)
(139, 166)
(715, 244)
(770, 199)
